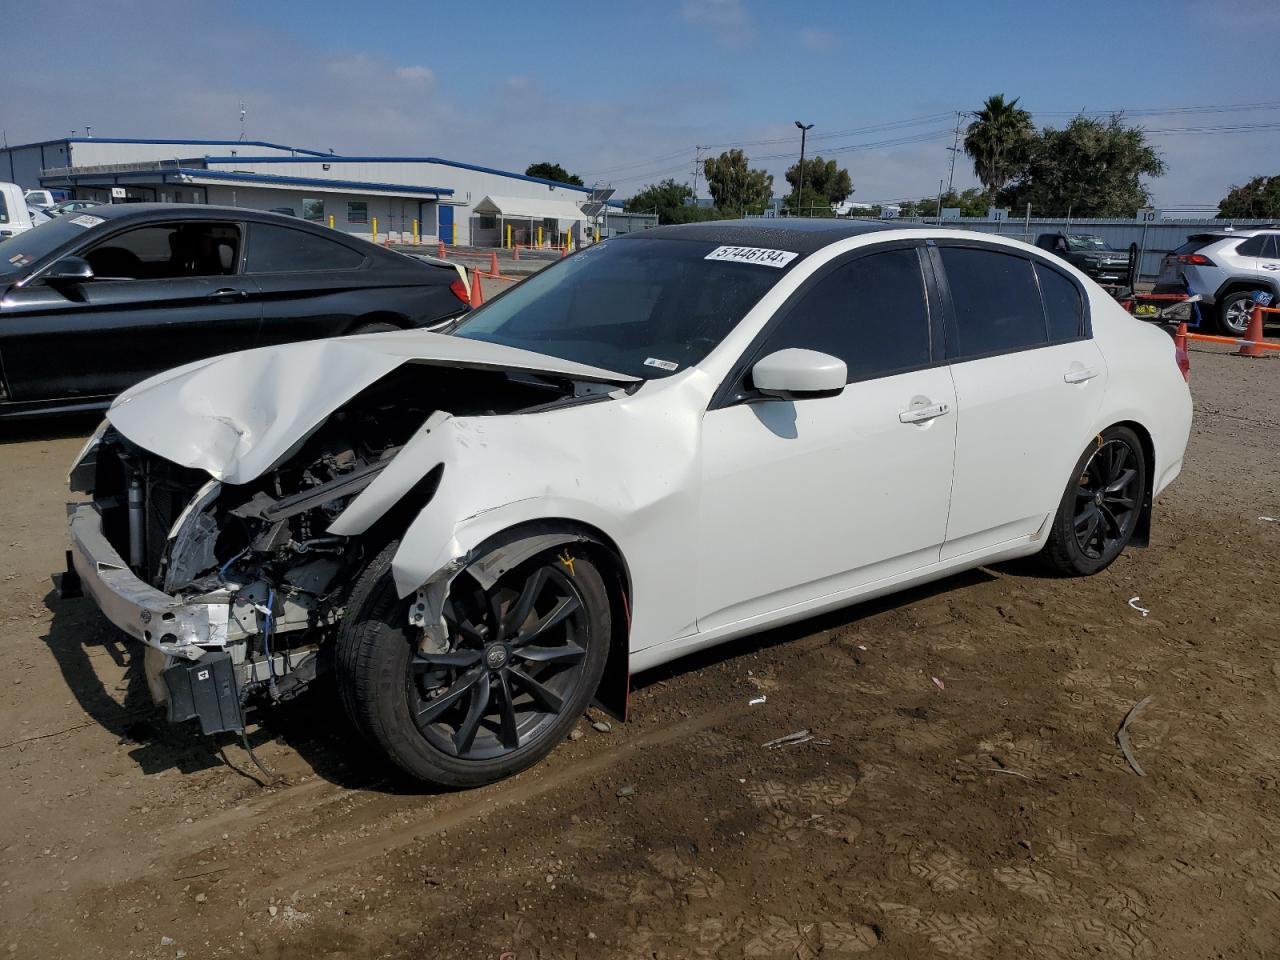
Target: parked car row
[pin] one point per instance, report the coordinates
(94, 301)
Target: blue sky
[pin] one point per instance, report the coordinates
(623, 92)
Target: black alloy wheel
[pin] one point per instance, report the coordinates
(517, 657)
(518, 666)
(1108, 499)
(1101, 507)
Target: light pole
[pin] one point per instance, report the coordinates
(804, 128)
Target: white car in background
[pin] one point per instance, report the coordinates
(16, 215)
(662, 442)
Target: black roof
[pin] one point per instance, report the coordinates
(187, 211)
(800, 234)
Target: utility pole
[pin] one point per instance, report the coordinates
(800, 188)
(954, 148)
(697, 165)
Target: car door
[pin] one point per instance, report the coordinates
(162, 295)
(1029, 381)
(1269, 261)
(809, 498)
(312, 286)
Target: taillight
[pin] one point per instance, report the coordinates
(459, 290)
(1195, 260)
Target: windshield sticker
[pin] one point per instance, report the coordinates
(87, 220)
(663, 364)
(759, 255)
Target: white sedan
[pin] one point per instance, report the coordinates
(667, 440)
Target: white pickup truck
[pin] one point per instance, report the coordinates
(16, 216)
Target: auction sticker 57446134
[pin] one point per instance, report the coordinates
(758, 255)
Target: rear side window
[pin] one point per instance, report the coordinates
(275, 249)
(4, 210)
(1062, 307)
(1272, 250)
(870, 312)
(1252, 247)
(997, 302)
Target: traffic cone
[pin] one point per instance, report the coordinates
(477, 295)
(493, 263)
(440, 252)
(1253, 334)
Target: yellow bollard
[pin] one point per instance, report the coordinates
(375, 229)
(415, 233)
(539, 237)
(331, 221)
(508, 236)
(453, 239)
(597, 234)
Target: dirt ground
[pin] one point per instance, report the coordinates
(989, 814)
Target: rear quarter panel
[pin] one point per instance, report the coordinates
(1144, 384)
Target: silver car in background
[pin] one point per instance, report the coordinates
(1226, 268)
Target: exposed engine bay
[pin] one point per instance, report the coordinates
(262, 551)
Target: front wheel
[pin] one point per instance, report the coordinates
(521, 663)
(1099, 511)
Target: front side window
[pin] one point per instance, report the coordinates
(870, 312)
(1272, 249)
(647, 308)
(1062, 307)
(997, 303)
(313, 210)
(274, 249)
(167, 251)
(357, 211)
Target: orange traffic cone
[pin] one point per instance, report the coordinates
(440, 251)
(1253, 334)
(477, 295)
(493, 263)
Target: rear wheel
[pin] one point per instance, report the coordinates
(1099, 511)
(521, 663)
(1234, 313)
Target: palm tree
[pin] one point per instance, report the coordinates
(996, 140)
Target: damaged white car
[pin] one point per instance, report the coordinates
(664, 441)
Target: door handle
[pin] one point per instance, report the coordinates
(923, 414)
(1082, 375)
(228, 293)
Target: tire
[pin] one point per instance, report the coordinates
(1100, 509)
(379, 326)
(480, 711)
(1233, 313)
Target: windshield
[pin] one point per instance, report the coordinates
(1081, 241)
(18, 252)
(647, 308)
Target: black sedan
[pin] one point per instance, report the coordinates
(95, 301)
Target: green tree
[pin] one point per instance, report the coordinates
(553, 171)
(811, 204)
(671, 201)
(824, 179)
(735, 187)
(1090, 168)
(1259, 199)
(997, 140)
(972, 203)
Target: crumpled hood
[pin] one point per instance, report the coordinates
(236, 415)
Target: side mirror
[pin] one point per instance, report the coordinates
(70, 270)
(797, 374)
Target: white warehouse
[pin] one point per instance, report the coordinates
(427, 197)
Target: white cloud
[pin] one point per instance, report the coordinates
(815, 39)
(417, 74)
